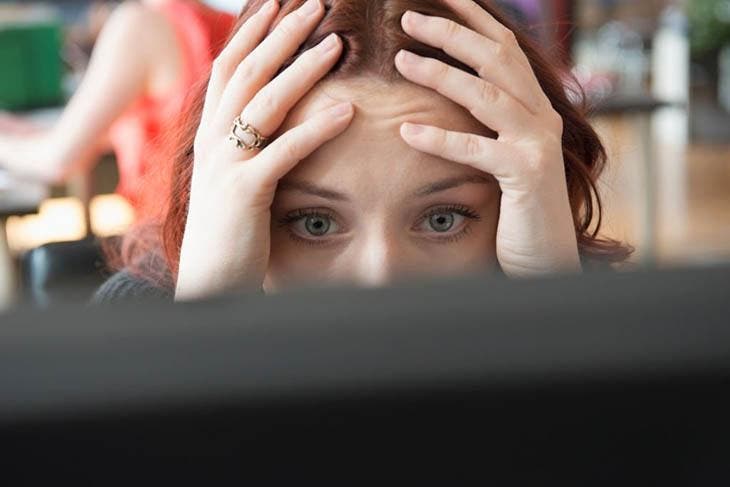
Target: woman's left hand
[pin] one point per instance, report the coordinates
(536, 233)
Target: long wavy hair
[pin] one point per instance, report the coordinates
(372, 36)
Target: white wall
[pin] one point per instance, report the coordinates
(233, 6)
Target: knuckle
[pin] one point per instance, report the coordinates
(290, 149)
(288, 27)
(473, 146)
(266, 102)
(503, 54)
(245, 70)
(508, 38)
(488, 93)
(452, 30)
(439, 71)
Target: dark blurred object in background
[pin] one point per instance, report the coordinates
(63, 272)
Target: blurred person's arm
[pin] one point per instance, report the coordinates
(10, 124)
(134, 47)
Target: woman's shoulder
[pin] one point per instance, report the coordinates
(136, 35)
(135, 18)
(125, 287)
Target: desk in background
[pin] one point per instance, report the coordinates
(641, 109)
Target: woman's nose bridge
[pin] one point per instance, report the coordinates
(379, 258)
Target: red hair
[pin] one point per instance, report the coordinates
(372, 36)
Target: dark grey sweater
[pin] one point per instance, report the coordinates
(123, 287)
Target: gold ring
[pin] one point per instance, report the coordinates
(246, 137)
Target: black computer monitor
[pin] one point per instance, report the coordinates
(601, 380)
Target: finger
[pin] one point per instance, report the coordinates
(482, 153)
(269, 107)
(262, 64)
(296, 144)
(484, 23)
(489, 104)
(241, 45)
(492, 61)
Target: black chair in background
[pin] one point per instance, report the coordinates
(63, 272)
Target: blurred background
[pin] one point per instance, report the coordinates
(656, 74)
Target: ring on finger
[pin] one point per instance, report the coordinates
(246, 136)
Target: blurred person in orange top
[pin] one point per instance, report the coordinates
(149, 56)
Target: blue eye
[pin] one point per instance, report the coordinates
(446, 223)
(311, 224)
(442, 222)
(317, 225)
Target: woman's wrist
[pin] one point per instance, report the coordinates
(35, 156)
(200, 291)
(197, 280)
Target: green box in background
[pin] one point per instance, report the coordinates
(31, 69)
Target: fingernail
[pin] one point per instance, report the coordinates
(413, 129)
(341, 110)
(411, 17)
(329, 43)
(407, 57)
(310, 7)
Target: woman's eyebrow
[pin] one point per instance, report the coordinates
(312, 189)
(451, 183)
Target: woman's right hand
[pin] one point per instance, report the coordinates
(226, 244)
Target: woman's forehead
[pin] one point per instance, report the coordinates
(384, 106)
(371, 151)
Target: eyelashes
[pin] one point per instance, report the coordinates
(464, 211)
(294, 219)
(467, 214)
(298, 214)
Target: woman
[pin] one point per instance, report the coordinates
(147, 59)
(368, 141)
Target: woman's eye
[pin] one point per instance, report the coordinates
(442, 222)
(315, 226)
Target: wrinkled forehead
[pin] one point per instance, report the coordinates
(382, 106)
(372, 148)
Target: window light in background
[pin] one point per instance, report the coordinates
(62, 219)
(110, 215)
